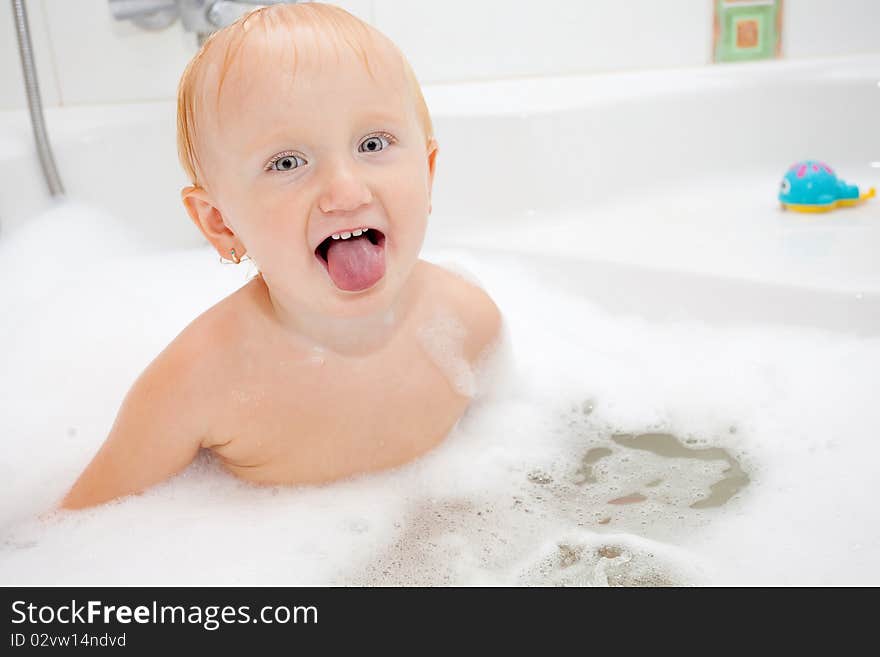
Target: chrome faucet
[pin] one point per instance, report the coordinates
(200, 16)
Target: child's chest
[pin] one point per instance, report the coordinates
(317, 416)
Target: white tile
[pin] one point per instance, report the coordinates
(814, 28)
(11, 78)
(84, 56)
(462, 39)
(101, 60)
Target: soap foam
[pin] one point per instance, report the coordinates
(442, 338)
(503, 500)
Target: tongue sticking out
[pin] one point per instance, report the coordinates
(356, 263)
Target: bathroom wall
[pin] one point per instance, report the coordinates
(83, 56)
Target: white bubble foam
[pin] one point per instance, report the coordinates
(442, 338)
(495, 501)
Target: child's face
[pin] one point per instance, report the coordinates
(292, 158)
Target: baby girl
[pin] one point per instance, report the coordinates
(311, 152)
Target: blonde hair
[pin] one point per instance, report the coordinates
(328, 21)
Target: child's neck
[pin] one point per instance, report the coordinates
(348, 336)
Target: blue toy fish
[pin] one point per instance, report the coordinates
(812, 186)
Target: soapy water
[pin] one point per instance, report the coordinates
(608, 450)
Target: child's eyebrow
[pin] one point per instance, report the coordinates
(381, 116)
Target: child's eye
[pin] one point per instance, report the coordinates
(285, 162)
(374, 143)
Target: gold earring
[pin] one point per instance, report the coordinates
(235, 258)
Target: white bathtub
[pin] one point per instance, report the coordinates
(674, 171)
(651, 199)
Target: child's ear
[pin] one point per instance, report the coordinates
(433, 147)
(207, 218)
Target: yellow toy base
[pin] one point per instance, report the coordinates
(842, 203)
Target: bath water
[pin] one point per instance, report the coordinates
(609, 450)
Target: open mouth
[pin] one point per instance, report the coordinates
(356, 262)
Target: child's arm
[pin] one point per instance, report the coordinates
(157, 433)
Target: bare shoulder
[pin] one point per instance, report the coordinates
(196, 361)
(219, 325)
(164, 418)
(474, 307)
(170, 411)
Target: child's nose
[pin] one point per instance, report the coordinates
(344, 190)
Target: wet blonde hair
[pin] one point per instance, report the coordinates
(328, 22)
